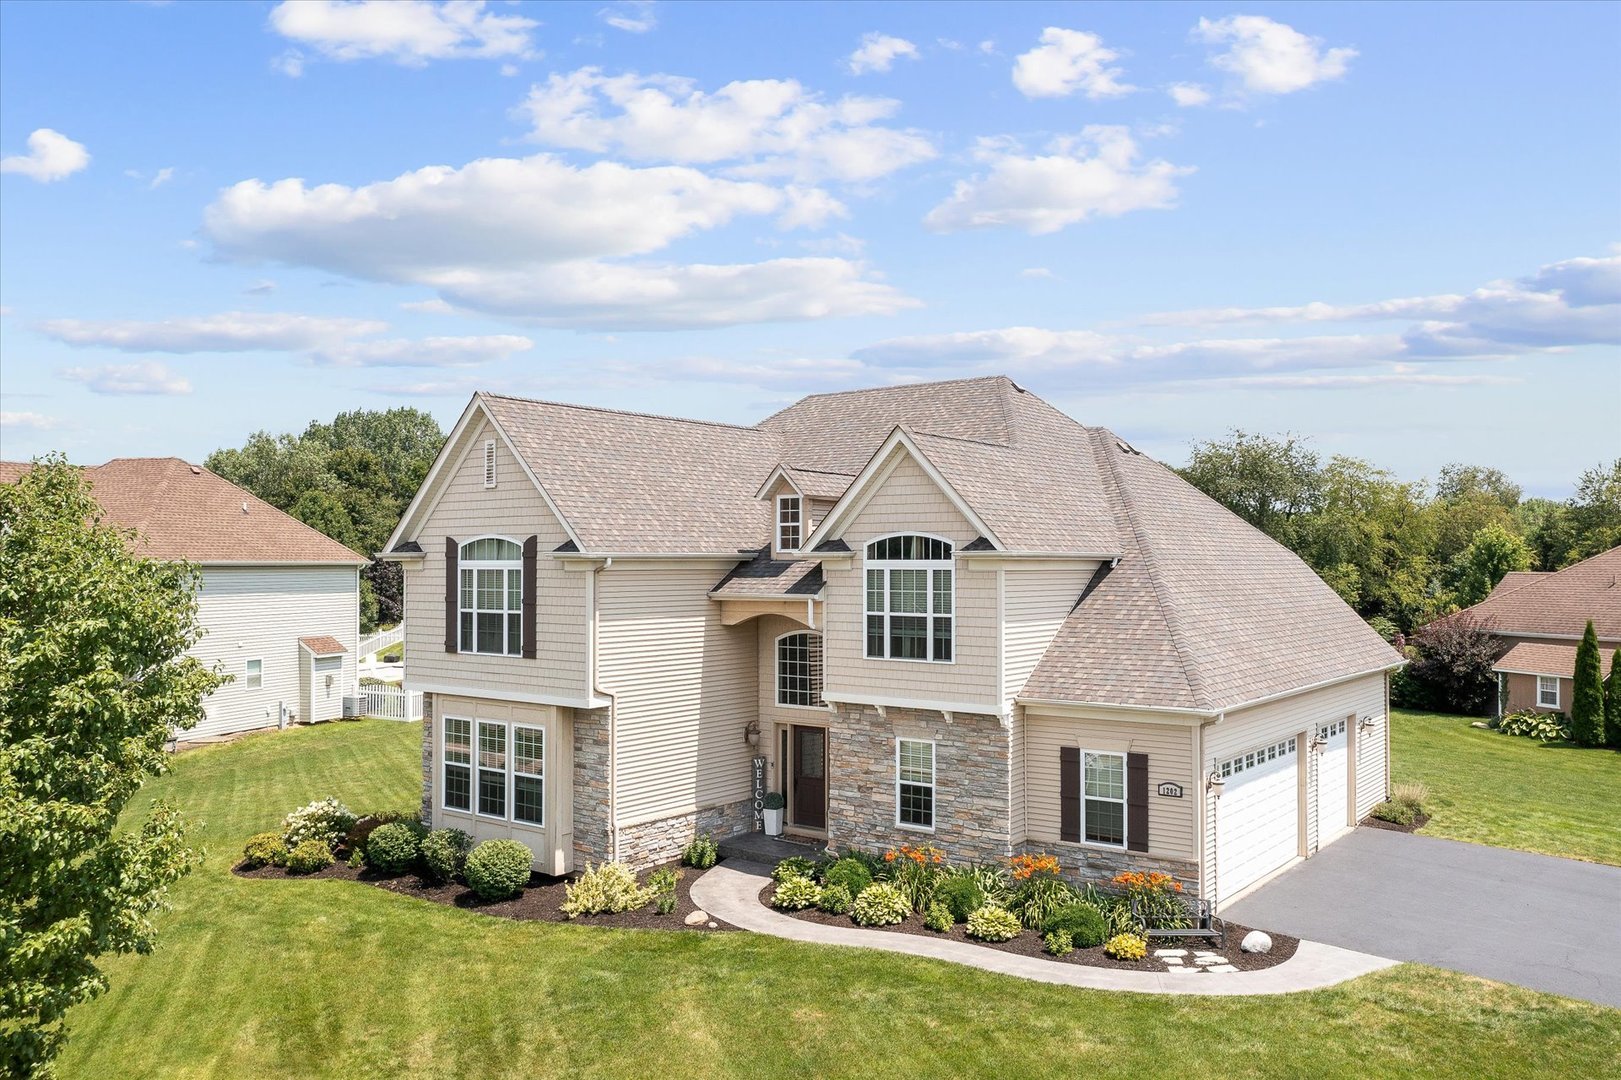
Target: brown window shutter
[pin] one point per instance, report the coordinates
(453, 619)
(1069, 793)
(1136, 802)
(530, 547)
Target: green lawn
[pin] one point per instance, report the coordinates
(1510, 792)
(332, 978)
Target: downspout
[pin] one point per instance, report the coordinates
(613, 716)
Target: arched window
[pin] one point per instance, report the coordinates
(910, 598)
(491, 597)
(799, 669)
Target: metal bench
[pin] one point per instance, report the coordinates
(1197, 911)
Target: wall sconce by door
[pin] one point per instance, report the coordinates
(751, 733)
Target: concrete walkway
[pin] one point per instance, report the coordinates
(1546, 923)
(732, 892)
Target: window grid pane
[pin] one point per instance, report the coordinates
(916, 762)
(799, 669)
(458, 740)
(492, 770)
(1105, 822)
(908, 591)
(1105, 776)
(458, 787)
(908, 637)
(875, 635)
(788, 523)
(875, 590)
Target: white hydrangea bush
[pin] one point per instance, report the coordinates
(327, 820)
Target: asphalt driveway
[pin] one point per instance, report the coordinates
(1546, 923)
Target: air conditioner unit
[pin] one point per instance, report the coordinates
(354, 706)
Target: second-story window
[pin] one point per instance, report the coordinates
(799, 669)
(910, 598)
(790, 523)
(492, 597)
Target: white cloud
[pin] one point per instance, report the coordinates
(1348, 382)
(147, 377)
(409, 32)
(51, 156)
(631, 16)
(161, 177)
(1035, 272)
(431, 306)
(1188, 95)
(233, 331)
(1267, 57)
(1097, 173)
(28, 421)
(793, 371)
(878, 52)
(289, 63)
(758, 127)
(838, 244)
(1067, 61)
(424, 352)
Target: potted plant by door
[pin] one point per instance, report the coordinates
(774, 805)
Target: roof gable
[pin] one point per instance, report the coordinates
(1560, 604)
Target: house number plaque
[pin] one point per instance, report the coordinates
(1171, 790)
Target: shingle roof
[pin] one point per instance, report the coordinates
(323, 645)
(183, 511)
(1535, 658)
(1560, 603)
(1514, 579)
(765, 576)
(818, 483)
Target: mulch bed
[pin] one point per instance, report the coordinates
(1028, 943)
(541, 900)
(1371, 822)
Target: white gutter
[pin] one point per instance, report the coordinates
(1215, 714)
(613, 713)
(1112, 705)
(630, 556)
(1314, 686)
(1078, 556)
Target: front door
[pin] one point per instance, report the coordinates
(810, 778)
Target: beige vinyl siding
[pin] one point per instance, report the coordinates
(1172, 823)
(516, 510)
(684, 686)
(259, 613)
(909, 502)
(1035, 603)
(1300, 715)
(1370, 749)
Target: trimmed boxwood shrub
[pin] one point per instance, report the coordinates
(880, 904)
(992, 923)
(265, 849)
(851, 873)
(499, 869)
(1085, 925)
(961, 895)
(444, 854)
(310, 856)
(392, 848)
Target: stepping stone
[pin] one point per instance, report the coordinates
(697, 918)
(1184, 970)
(1170, 952)
(1172, 961)
(1206, 960)
(1221, 967)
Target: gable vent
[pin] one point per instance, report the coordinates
(489, 463)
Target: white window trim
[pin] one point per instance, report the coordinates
(513, 774)
(1554, 704)
(926, 565)
(245, 674)
(475, 565)
(470, 765)
(1125, 808)
(479, 769)
(932, 785)
(798, 499)
(776, 671)
(489, 463)
(509, 727)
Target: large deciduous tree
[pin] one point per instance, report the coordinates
(93, 680)
(1269, 481)
(1587, 702)
(1492, 553)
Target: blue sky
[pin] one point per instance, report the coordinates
(1393, 228)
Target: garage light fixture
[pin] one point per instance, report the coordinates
(1215, 782)
(1365, 724)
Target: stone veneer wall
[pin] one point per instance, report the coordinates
(428, 721)
(1083, 864)
(592, 751)
(653, 842)
(972, 763)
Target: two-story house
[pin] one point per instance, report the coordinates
(942, 613)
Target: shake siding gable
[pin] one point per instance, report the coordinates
(1035, 604)
(515, 509)
(259, 613)
(684, 688)
(907, 501)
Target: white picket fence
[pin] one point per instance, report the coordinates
(381, 640)
(390, 701)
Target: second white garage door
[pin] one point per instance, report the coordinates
(1257, 815)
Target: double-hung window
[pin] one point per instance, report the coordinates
(1104, 777)
(502, 776)
(799, 669)
(491, 597)
(914, 783)
(492, 769)
(1548, 691)
(910, 599)
(528, 775)
(790, 523)
(253, 674)
(458, 789)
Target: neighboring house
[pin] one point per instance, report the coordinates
(1539, 618)
(279, 603)
(941, 614)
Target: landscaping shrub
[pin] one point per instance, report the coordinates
(701, 853)
(994, 881)
(795, 893)
(358, 833)
(1158, 898)
(1126, 947)
(1546, 726)
(880, 904)
(392, 848)
(663, 882)
(1084, 924)
(993, 923)
(1397, 813)
(1115, 907)
(264, 849)
(938, 918)
(444, 854)
(1413, 795)
(794, 866)
(875, 864)
(327, 821)
(851, 873)
(835, 899)
(1058, 942)
(356, 860)
(961, 895)
(607, 888)
(914, 871)
(309, 857)
(499, 869)
(1587, 699)
(1036, 900)
(1453, 662)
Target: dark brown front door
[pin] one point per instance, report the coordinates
(810, 778)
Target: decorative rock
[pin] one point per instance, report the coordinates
(696, 918)
(1257, 942)
(714, 926)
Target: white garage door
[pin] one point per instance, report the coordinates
(1257, 816)
(1333, 815)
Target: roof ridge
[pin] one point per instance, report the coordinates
(896, 386)
(1190, 671)
(618, 412)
